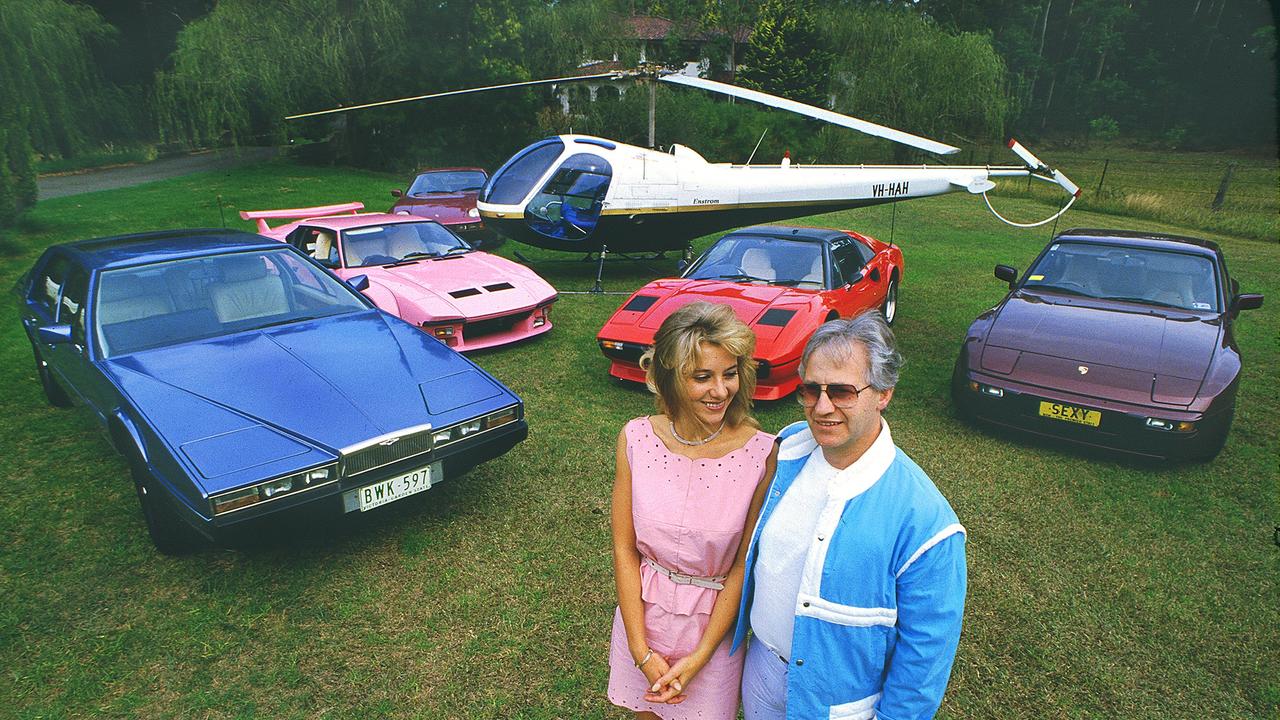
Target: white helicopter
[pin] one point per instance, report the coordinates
(589, 194)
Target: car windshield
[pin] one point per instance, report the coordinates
(447, 181)
(750, 258)
(401, 242)
(173, 302)
(1132, 274)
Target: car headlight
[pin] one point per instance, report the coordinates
(473, 213)
(272, 489)
(454, 433)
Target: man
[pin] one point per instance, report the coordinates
(855, 577)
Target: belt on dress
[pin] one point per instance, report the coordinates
(714, 582)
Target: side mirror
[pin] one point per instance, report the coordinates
(875, 274)
(1251, 301)
(54, 334)
(1007, 274)
(397, 193)
(359, 283)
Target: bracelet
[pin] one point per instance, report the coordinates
(647, 656)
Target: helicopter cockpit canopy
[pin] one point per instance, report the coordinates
(568, 206)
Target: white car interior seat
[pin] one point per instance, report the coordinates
(247, 290)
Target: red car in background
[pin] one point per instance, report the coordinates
(781, 281)
(448, 196)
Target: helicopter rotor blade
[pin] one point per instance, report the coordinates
(526, 83)
(1036, 166)
(834, 118)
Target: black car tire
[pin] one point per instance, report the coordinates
(168, 532)
(53, 392)
(889, 308)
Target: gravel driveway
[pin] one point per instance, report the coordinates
(54, 186)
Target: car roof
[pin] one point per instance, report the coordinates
(159, 246)
(788, 232)
(359, 220)
(1138, 238)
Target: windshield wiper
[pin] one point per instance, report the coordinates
(286, 321)
(458, 249)
(1147, 301)
(742, 277)
(1059, 288)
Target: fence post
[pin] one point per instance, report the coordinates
(1106, 164)
(1222, 187)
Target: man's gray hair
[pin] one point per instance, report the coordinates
(839, 339)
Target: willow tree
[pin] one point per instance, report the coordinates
(240, 69)
(895, 67)
(49, 84)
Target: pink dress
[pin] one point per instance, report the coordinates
(689, 517)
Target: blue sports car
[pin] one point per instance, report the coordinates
(240, 379)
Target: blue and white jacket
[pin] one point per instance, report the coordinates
(882, 593)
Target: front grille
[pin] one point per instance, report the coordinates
(479, 328)
(379, 453)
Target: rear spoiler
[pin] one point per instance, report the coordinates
(299, 213)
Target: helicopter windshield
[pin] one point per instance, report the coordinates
(514, 180)
(569, 205)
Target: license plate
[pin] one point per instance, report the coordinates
(1070, 413)
(393, 489)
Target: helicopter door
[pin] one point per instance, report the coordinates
(569, 205)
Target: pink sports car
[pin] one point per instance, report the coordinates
(421, 272)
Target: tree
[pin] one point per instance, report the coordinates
(900, 69)
(51, 86)
(784, 56)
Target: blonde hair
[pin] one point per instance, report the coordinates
(677, 349)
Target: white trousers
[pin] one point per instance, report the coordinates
(764, 684)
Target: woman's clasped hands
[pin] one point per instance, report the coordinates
(669, 680)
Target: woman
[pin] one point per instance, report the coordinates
(690, 482)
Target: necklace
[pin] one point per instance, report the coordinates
(695, 443)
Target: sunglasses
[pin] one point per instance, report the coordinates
(842, 396)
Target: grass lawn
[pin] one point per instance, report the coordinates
(1097, 587)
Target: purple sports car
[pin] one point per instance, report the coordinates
(1114, 339)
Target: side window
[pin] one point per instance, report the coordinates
(71, 308)
(46, 289)
(304, 277)
(319, 244)
(848, 264)
(863, 251)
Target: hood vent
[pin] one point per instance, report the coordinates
(499, 286)
(463, 293)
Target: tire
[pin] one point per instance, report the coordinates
(53, 392)
(168, 532)
(889, 308)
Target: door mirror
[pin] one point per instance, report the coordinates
(359, 283)
(875, 274)
(1250, 301)
(397, 193)
(54, 334)
(1007, 274)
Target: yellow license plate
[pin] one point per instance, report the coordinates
(1070, 413)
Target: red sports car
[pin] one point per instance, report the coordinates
(782, 281)
(448, 196)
